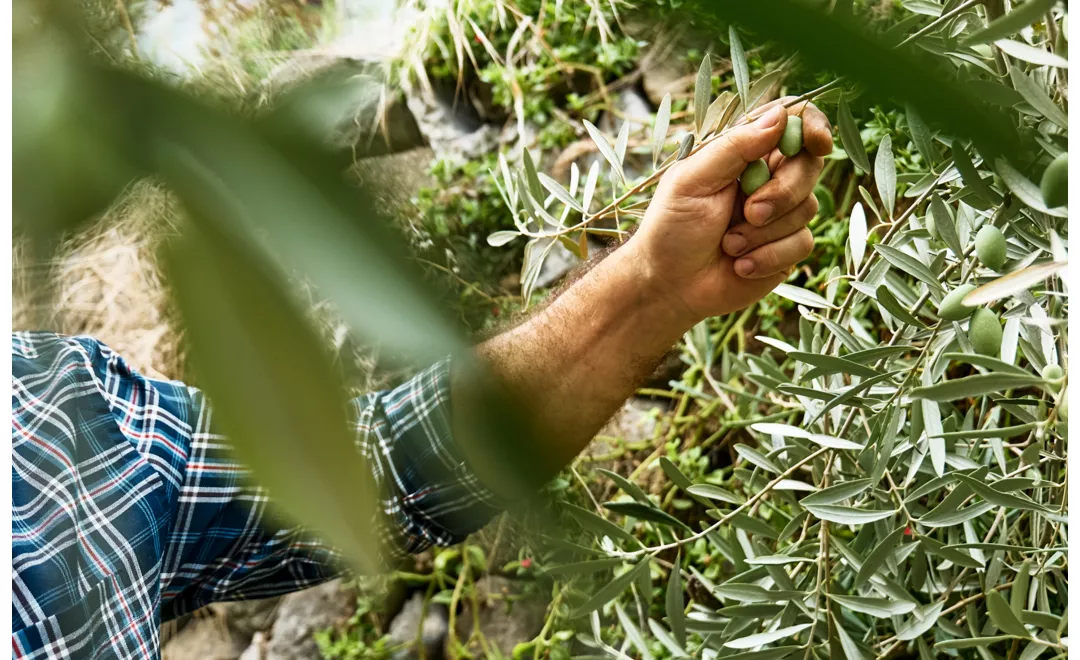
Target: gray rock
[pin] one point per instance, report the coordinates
(408, 625)
(205, 638)
(303, 613)
(663, 76)
(454, 131)
(508, 615)
(246, 617)
(394, 179)
(257, 649)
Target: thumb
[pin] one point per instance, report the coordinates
(720, 162)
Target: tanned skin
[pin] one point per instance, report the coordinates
(701, 251)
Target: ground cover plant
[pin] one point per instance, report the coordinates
(870, 463)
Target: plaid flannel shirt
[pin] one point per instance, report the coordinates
(128, 510)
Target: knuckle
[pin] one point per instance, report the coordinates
(805, 243)
(810, 206)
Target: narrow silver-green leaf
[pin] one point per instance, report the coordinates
(908, 264)
(879, 554)
(660, 127)
(605, 148)
(945, 223)
(971, 386)
(838, 493)
(1002, 615)
(611, 590)
(885, 175)
(921, 620)
(1031, 54)
(760, 639)
(674, 603)
(847, 515)
(802, 296)
(882, 608)
(850, 136)
(1029, 12)
(1034, 94)
(560, 193)
(702, 92)
(1012, 284)
(857, 235)
(921, 135)
(739, 67)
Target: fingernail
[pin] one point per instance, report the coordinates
(760, 212)
(770, 118)
(744, 267)
(734, 244)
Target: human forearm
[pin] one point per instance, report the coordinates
(575, 362)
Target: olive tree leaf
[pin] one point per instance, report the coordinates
(847, 515)
(739, 67)
(945, 222)
(920, 621)
(583, 567)
(879, 554)
(647, 512)
(560, 193)
(850, 136)
(970, 176)
(1011, 23)
(533, 181)
(611, 590)
(1034, 94)
(590, 187)
(237, 320)
(605, 148)
(660, 127)
(1018, 595)
(971, 386)
(802, 296)
(1012, 284)
(685, 146)
(598, 525)
(838, 493)
(702, 92)
(857, 234)
(632, 632)
(887, 300)
(674, 603)
(789, 431)
(500, 238)
(714, 492)
(908, 264)
(1024, 189)
(670, 643)
(1003, 616)
(882, 608)
(920, 135)
(1037, 56)
(885, 175)
(760, 639)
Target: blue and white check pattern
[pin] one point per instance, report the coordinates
(128, 510)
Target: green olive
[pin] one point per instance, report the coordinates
(791, 142)
(1055, 182)
(990, 247)
(1054, 374)
(754, 176)
(985, 332)
(952, 307)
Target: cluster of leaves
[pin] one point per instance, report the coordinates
(896, 488)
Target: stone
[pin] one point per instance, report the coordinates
(431, 626)
(663, 76)
(508, 613)
(454, 130)
(257, 649)
(303, 613)
(635, 421)
(394, 179)
(205, 638)
(246, 617)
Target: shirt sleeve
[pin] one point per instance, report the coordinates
(224, 539)
(226, 544)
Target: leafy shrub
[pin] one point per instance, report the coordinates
(898, 490)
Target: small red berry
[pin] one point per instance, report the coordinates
(526, 563)
(907, 531)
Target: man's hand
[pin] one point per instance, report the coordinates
(711, 252)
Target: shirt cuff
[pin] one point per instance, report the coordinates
(431, 496)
